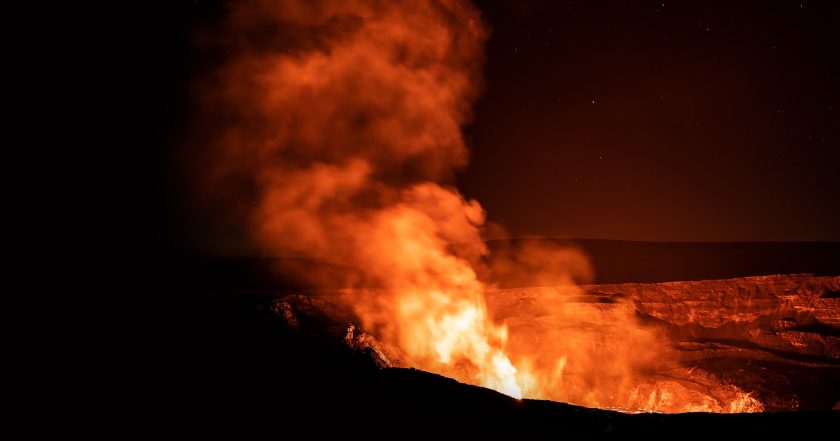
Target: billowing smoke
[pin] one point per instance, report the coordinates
(328, 132)
(340, 120)
(331, 118)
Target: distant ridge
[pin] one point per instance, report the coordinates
(614, 261)
(620, 261)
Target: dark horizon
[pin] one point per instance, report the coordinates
(612, 261)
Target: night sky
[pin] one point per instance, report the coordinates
(689, 121)
(635, 120)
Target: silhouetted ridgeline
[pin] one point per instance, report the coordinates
(625, 261)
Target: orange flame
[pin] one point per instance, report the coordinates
(332, 128)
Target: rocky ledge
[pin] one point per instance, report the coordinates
(776, 338)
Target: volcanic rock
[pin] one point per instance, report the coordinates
(327, 319)
(757, 343)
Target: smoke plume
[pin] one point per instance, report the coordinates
(340, 122)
